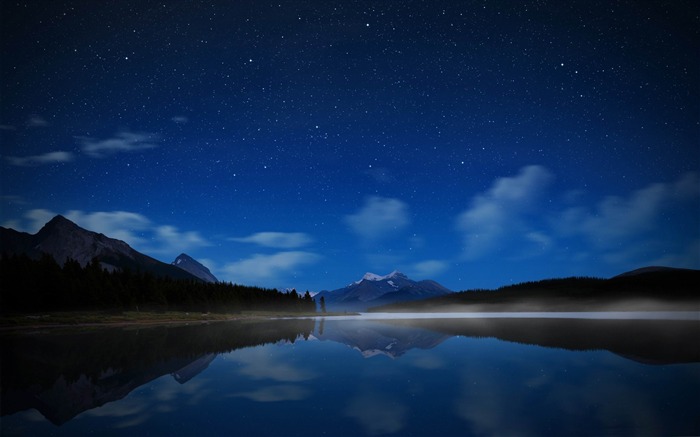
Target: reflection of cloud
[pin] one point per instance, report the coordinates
(165, 396)
(377, 413)
(259, 364)
(280, 240)
(37, 160)
(430, 362)
(530, 390)
(276, 393)
(379, 217)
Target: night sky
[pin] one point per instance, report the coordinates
(303, 143)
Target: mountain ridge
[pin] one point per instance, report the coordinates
(63, 240)
(373, 289)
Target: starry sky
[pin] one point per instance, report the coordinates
(304, 143)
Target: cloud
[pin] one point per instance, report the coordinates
(498, 212)
(280, 240)
(618, 219)
(264, 269)
(171, 240)
(379, 217)
(179, 119)
(428, 268)
(37, 121)
(123, 142)
(36, 160)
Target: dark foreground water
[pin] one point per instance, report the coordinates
(349, 377)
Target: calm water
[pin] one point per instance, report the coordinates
(348, 377)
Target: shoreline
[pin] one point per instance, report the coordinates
(96, 319)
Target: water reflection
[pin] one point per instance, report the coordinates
(354, 377)
(647, 341)
(64, 374)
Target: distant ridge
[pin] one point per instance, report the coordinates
(650, 269)
(62, 239)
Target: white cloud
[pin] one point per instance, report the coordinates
(37, 121)
(36, 160)
(496, 213)
(280, 240)
(180, 119)
(123, 142)
(379, 217)
(172, 241)
(266, 269)
(617, 219)
(428, 268)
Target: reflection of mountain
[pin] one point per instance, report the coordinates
(646, 341)
(62, 375)
(194, 368)
(374, 338)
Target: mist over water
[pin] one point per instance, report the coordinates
(601, 315)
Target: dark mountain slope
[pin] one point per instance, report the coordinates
(63, 240)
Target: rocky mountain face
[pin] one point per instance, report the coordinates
(63, 239)
(189, 264)
(373, 290)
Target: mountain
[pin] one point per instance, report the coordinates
(63, 240)
(189, 264)
(374, 290)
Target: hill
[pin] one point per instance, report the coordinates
(643, 289)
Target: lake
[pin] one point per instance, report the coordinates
(417, 375)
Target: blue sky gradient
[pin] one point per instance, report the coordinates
(301, 144)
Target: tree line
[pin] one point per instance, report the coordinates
(43, 285)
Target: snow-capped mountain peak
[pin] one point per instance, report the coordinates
(369, 276)
(375, 289)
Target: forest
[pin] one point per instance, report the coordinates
(674, 288)
(30, 285)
